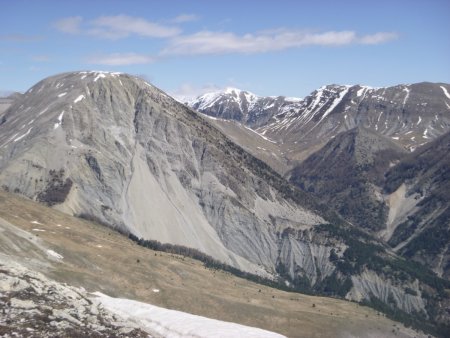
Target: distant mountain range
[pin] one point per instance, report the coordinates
(112, 148)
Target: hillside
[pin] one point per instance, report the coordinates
(133, 272)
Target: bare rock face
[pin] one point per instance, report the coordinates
(115, 149)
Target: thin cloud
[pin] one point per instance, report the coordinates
(378, 38)
(40, 58)
(70, 25)
(207, 42)
(182, 18)
(20, 38)
(121, 59)
(116, 27)
(122, 26)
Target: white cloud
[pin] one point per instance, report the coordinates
(182, 18)
(69, 25)
(116, 27)
(207, 42)
(121, 59)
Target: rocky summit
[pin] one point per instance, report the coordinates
(112, 148)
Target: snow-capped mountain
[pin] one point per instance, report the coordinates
(240, 105)
(411, 115)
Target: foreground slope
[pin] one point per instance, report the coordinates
(87, 255)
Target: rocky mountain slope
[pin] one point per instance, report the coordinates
(421, 186)
(112, 148)
(401, 197)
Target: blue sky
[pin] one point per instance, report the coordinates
(268, 47)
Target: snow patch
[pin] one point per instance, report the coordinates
(78, 99)
(60, 117)
(99, 76)
(171, 323)
(42, 112)
(54, 254)
(22, 136)
(264, 137)
(62, 94)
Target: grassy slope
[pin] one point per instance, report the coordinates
(101, 260)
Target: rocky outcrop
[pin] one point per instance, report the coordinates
(33, 305)
(369, 285)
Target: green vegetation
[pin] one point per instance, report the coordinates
(56, 189)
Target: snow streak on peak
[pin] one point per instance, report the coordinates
(98, 74)
(445, 91)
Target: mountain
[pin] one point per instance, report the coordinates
(411, 115)
(347, 172)
(239, 105)
(112, 148)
